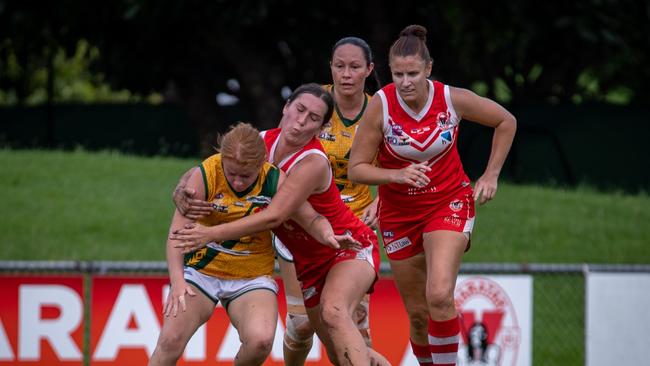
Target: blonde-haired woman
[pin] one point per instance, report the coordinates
(237, 182)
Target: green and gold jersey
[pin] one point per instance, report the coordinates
(250, 256)
(336, 137)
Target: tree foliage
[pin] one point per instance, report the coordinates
(516, 52)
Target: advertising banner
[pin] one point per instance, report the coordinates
(42, 323)
(617, 318)
(41, 320)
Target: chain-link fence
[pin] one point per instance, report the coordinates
(558, 336)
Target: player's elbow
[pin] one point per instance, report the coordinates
(353, 173)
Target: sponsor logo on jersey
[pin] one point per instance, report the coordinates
(239, 204)
(419, 131)
(489, 328)
(446, 137)
(220, 208)
(327, 136)
(309, 292)
(259, 200)
(346, 134)
(444, 121)
(399, 141)
(398, 245)
(218, 196)
(456, 205)
(388, 234)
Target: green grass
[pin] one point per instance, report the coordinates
(108, 206)
(85, 206)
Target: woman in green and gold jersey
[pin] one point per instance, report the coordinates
(236, 182)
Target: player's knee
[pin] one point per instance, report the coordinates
(171, 344)
(299, 333)
(260, 346)
(439, 297)
(333, 315)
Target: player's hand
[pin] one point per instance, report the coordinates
(176, 299)
(345, 241)
(413, 175)
(191, 237)
(189, 206)
(370, 215)
(485, 189)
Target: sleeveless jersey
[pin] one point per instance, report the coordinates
(309, 255)
(336, 137)
(427, 136)
(250, 256)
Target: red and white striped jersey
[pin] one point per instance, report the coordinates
(310, 255)
(426, 136)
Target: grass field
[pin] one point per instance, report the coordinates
(108, 206)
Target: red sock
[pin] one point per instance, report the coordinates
(443, 341)
(422, 353)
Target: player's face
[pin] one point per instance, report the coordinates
(410, 76)
(302, 119)
(239, 176)
(349, 69)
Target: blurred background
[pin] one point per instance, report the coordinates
(103, 105)
(163, 77)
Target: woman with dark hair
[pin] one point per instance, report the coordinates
(426, 202)
(351, 66)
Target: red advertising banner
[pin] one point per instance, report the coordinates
(127, 316)
(41, 320)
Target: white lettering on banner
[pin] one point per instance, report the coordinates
(132, 302)
(195, 349)
(6, 353)
(32, 329)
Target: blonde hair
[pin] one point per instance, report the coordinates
(243, 144)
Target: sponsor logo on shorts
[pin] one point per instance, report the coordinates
(388, 234)
(398, 244)
(453, 220)
(309, 292)
(456, 205)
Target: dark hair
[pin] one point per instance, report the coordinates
(367, 52)
(412, 41)
(317, 91)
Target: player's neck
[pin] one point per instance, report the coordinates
(349, 105)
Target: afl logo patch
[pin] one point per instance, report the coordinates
(489, 327)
